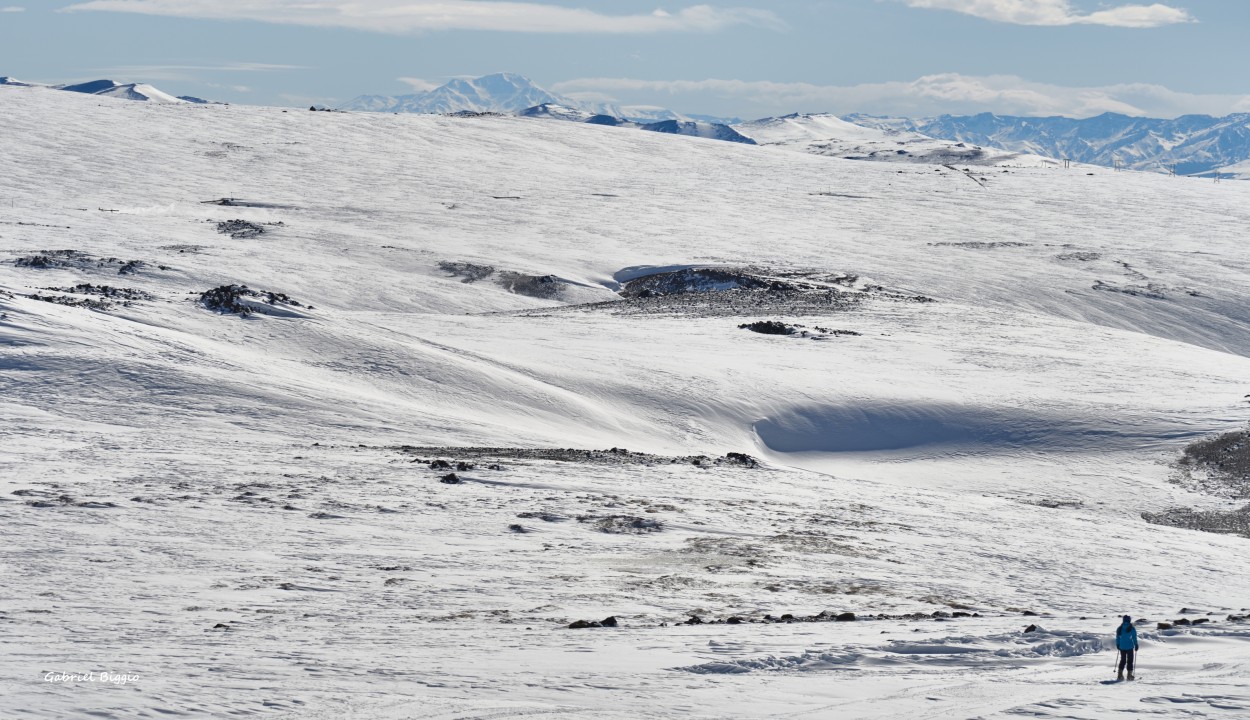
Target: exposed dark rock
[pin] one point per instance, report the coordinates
(544, 516)
(609, 622)
(543, 287)
(742, 459)
(240, 229)
(768, 327)
(614, 456)
(1151, 291)
(51, 259)
(105, 291)
(68, 301)
(1165, 626)
(467, 272)
(624, 524)
(230, 300)
(1031, 629)
(982, 245)
(845, 617)
(450, 479)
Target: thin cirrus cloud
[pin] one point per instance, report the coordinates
(418, 84)
(12, 9)
(409, 16)
(1060, 12)
(926, 96)
(191, 72)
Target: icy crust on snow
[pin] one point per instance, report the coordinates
(964, 651)
(224, 505)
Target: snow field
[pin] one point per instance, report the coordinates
(993, 449)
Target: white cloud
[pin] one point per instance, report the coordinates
(1060, 12)
(12, 9)
(929, 95)
(407, 16)
(190, 72)
(418, 85)
(235, 88)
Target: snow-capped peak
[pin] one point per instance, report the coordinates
(500, 92)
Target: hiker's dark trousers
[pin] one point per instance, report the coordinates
(1126, 658)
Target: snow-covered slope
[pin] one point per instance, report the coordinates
(1188, 145)
(221, 496)
(831, 136)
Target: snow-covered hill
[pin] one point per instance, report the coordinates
(689, 128)
(1188, 145)
(142, 92)
(831, 136)
(326, 415)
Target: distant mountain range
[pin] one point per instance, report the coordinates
(1189, 145)
(509, 92)
(501, 92)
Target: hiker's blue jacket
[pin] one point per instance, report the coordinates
(1126, 637)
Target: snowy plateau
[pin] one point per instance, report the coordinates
(352, 415)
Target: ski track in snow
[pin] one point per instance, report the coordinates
(219, 505)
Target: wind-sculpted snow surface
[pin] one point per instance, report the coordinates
(483, 378)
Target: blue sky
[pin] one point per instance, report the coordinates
(742, 57)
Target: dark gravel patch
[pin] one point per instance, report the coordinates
(613, 456)
(466, 271)
(78, 260)
(1220, 465)
(1235, 522)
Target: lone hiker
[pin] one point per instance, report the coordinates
(1126, 643)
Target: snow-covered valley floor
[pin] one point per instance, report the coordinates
(242, 515)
